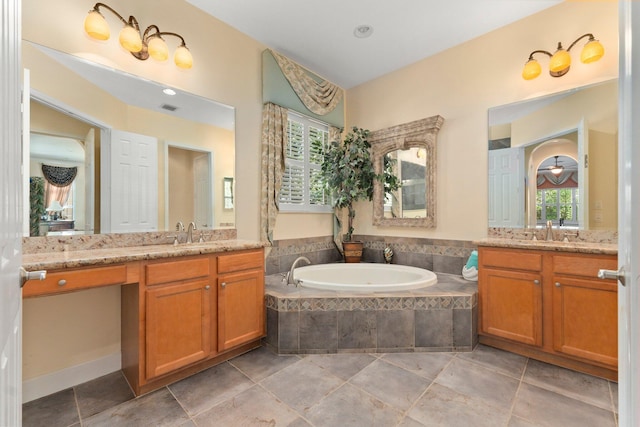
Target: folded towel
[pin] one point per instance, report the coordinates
(473, 260)
(470, 273)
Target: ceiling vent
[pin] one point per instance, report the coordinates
(168, 107)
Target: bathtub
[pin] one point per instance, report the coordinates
(364, 277)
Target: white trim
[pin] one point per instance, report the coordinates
(53, 382)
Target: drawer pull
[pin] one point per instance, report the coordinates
(557, 284)
(223, 284)
(207, 287)
(536, 282)
(62, 282)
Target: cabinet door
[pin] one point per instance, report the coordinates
(585, 319)
(511, 305)
(177, 326)
(240, 308)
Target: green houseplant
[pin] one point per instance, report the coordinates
(348, 175)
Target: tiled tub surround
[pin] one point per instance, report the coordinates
(438, 255)
(442, 317)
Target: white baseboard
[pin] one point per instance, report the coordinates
(47, 384)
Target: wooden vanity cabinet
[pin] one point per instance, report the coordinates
(550, 306)
(190, 313)
(585, 309)
(178, 313)
(241, 313)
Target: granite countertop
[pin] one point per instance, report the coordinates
(103, 256)
(543, 245)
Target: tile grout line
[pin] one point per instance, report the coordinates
(433, 381)
(515, 396)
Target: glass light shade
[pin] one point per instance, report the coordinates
(591, 52)
(560, 61)
(531, 70)
(130, 39)
(96, 26)
(158, 49)
(183, 58)
(557, 170)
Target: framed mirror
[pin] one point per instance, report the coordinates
(409, 152)
(578, 130)
(78, 104)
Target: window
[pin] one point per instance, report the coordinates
(302, 187)
(554, 204)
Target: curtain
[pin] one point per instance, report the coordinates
(567, 179)
(319, 97)
(274, 142)
(335, 134)
(58, 185)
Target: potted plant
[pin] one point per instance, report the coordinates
(348, 174)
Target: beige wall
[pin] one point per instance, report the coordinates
(461, 84)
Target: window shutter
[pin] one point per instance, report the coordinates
(302, 185)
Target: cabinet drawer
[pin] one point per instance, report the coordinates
(525, 260)
(73, 280)
(583, 265)
(165, 272)
(241, 261)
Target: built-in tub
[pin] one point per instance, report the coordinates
(364, 277)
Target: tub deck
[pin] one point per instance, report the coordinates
(441, 317)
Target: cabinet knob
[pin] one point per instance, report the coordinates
(207, 287)
(536, 282)
(62, 282)
(557, 284)
(223, 284)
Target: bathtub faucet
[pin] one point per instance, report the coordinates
(290, 279)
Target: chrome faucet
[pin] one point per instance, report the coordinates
(549, 231)
(179, 226)
(290, 279)
(192, 226)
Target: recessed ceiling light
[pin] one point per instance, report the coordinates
(363, 31)
(169, 91)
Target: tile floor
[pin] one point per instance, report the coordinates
(486, 387)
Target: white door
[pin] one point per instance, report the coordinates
(11, 216)
(506, 187)
(628, 214)
(202, 191)
(129, 184)
(89, 180)
(583, 174)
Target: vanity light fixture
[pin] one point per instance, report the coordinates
(561, 60)
(141, 45)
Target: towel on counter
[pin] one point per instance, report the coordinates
(470, 270)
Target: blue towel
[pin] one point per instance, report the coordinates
(473, 260)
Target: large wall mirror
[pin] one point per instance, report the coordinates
(555, 158)
(409, 152)
(78, 106)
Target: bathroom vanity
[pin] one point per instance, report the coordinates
(184, 308)
(544, 300)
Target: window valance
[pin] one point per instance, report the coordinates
(320, 97)
(59, 176)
